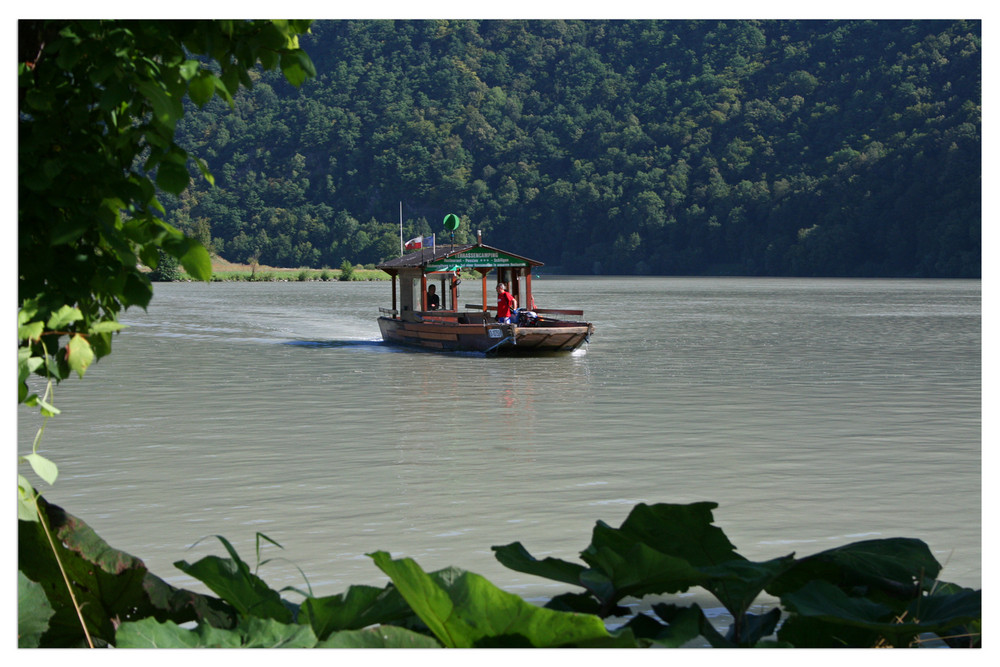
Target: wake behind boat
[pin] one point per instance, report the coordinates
(425, 297)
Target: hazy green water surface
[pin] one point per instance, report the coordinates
(815, 412)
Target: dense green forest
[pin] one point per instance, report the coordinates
(811, 148)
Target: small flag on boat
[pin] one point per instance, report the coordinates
(415, 243)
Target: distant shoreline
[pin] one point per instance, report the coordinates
(223, 271)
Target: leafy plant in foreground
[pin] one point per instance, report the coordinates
(861, 594)
(877, 592)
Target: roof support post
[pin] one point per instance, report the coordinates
(392, 279)
(484, 291)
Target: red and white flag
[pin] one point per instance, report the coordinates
(415, 243)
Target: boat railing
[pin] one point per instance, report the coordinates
(451, 316)
(390, 312)
(541, 311)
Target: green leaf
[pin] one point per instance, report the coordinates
(683, 624)
(737, 583)
(270, 633)
(33, 612)
(182, 606)
(107, 326)
(43, 467)
(189, 69)
(683, 531)
(197, 261)
(463, 609)
(430, 602)
(26, 510)
(150, 633)
(358, 607)
(516, 557)
(46, 408)
(891, 565)
(635, 569)
(231, 579)
(107, 582)
(79, 354)
(63, 317)
(31, 331)
(205, 172)
(384, 636)
(27, 364)
(251, 633)
(29, 308)
(67, 230)
(138, 290)
(750, 629)
(822, 601)
(166, 108)
(172, 177)
(297, 67)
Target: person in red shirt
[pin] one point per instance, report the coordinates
(505, 304)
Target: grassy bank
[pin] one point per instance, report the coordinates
(223, 271)
(291, 275)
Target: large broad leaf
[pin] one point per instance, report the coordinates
(250, 633)
(635, 569)
(670, 548)
(464, 610)
(658, 549)
(33, 612)
(893, 566)
(356, 608)
(682, 625)
(232, 580)
(828, 604)
(109, 585)
(149, 633)
(384, 636)
(193, 256)
(956, 611)
(516, 557)
(737, 583)
(683, 531)
(752, 628)
(197, 261)
(180, 605)
(172, 177)
(269, 633)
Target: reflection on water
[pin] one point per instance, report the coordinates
(815, 412)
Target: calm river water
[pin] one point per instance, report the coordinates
(815, 412)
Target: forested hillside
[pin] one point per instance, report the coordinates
(833, 148)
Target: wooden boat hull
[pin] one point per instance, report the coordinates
(486, 337)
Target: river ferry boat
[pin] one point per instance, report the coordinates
(425, 298)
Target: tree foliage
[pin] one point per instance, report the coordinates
(99, 104)
(664, 147)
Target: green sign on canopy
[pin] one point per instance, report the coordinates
(476, 258)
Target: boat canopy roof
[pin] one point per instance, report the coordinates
(457, 258)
